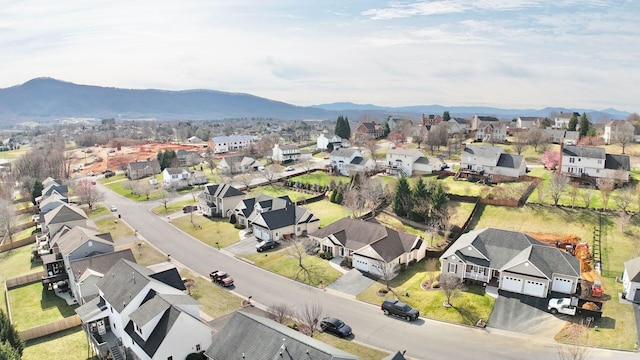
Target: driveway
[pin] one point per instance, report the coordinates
(246, 245)
(524, 314)
(351, 283)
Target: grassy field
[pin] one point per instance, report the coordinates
(144, 253)
(209, 231)
(319, 272)
(327, 211)
(13, 154)
(118, 229)
(277, 191)
(352, 347)
(97, 211)
(14, 263)
(172, 207)
(216, 301)
(113, 179)
(470, 306)
(32, 305)
(70, 344)
(321, 178)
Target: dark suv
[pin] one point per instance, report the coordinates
(398, 308)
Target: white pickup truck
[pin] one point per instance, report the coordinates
(572, 306)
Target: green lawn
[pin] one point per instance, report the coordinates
(470, 306)
(13, 154)
(327, 211)
(209, 231)
(319, 272)
(32, 305)
(352, 347)
(144, 253)
(172, 207)
(70, 344)
(98, 210)
(216, 301)
(118, 229)
(321, 178)
(113, 179)
(14, 263)
(277, 191)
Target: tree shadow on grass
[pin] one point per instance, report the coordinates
(468, 317)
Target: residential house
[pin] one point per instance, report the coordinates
(398, 123)
(285, 153)
(592, 163)
(477, 121)
(514, 261)
(225, 144)
(250, 336)
(458, 126)
(374, 248)
(491, 132)
(490, 162)
(238, 164)
(561, 120)
(618, 131)
(144, 313)
(562, 136)
(323, 141)
(431, 120)
(188, 158)
(51, 202)
(140, 169)
(528, 122)
(348, 161)
(275, 218)
(175, 176)
(367, 130)
(85, 273)
(198, 178)
(409, 162)
(631, 280)
(65, 215)
(219, 200)
(194, 140)
(71, 244)
(52, 188)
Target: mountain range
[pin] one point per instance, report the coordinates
(46, 99)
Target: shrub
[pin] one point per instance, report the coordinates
(383, 290)
(435, 285)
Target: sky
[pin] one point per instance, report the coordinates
(521, 54)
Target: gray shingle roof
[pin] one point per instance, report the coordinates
(510, 161)
(222, 191)
(485, 151)
(344, 152)
(583, 151)
(617, 161)
(633, 269)
(256, 337)
(139, 165)
(63, 214)
(357, 160)
(99, 263)
(175, 170)
(77, 236)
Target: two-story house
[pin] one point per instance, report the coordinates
(374, 248)
(225, 144)
(584, 163)
(144, 312)
(528, 122)
(491, 132)
(367, 130)
(285, 153)
(85, 273)
(431, 120)
(513, 261)
(140, 169)
(175, 176)
(275, 218)
(323, 141)
(619, 131)
(219, 200)
(409, 162)
(561, 120)
(188, 158)
(348, 161)
(490, 162)
(562, 136)
(477, 121)
(458, 126)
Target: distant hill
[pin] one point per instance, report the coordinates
(44, 99)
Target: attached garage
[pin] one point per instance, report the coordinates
(534, 288)
(262, 234)
(510, 283)
(361, 263)
(562, 285)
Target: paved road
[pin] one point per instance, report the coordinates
(423, 339)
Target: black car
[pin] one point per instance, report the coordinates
(400, 309)
(109, 173)
(189, 208)
(335, 326)
(266, 244)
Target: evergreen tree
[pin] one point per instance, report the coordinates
(342, 127)
(7, 352)
(167, 158)
(36, 191)
(585, 124)
(9, 335)
(545, 123)
(445, 116)
(339, 196)
(386, 130)
(402, 199)
(419, 196)
(439, 196)
(332, 198)
(573, 123)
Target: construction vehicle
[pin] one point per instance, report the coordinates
(576, 306)
(596, 289)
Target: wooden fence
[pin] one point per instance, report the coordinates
(50, 328)
(16, 244)
(25, 279)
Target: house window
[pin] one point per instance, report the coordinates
(599, 162)
(572, 160)
(409, 257)
(138, 329)
(197, 347)
(453, 268)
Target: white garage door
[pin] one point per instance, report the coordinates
(261, 234)
(534, 288)
(562, 285)
(375, 268)
(361, 263)
(510, 283)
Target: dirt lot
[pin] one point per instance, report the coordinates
(118, 153)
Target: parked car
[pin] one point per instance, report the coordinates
(400, 309)
(109, 173)
(576, 306)
(289, 168)
(113, 208)
(266, 244)
(221, 278)
(335, 326)
(189, 208)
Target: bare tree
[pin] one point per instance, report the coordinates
(437, 136)
(605, 192)
(245, 179)
(310, 316)
(189, 284)
(557, 186)
(270, 172)
(624, 135)
(306, 165)
(444, 215)
(520, 140)
(624, 197)
(281, 313)
(165, 196)
(587, 197)
(88, 193)
(537, 138)
(131, 185)
(624, 220)
(431, 268)
(574, 190)
(387, 272)
(372, 145)
(452, 286)
(299, 248)
(7, 219)
(210, 159)
(145, 189)
(578, 348)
